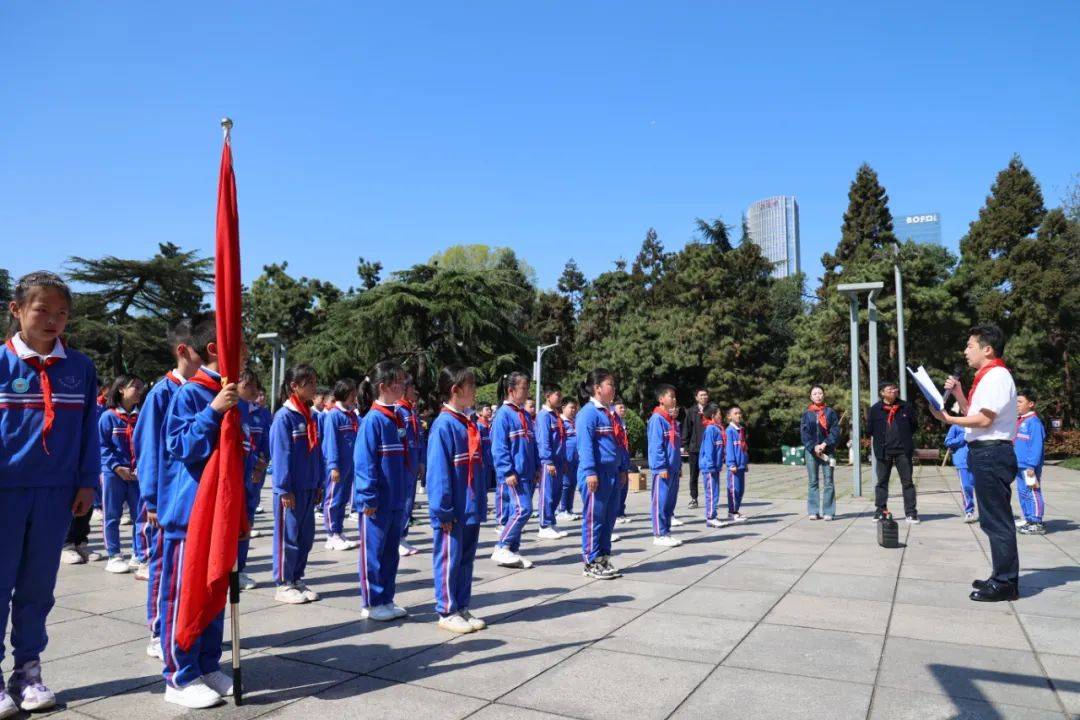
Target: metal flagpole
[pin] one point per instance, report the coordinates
(234, 576)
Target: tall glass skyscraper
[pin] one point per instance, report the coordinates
(924, 228)
(774, 226)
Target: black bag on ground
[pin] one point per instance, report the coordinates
(888, 532)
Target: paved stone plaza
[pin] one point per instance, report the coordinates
(779, 617)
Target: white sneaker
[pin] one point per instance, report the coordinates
(827, 518)
(259, 510)
(117, 565)
(564, 517)
(503, 556)
(523, 563)
(676, 522)
(88, 554)
(477, 623)
(623, 520)
(615, 537)
(96, 516)
(739, 517)
(456, 624)
(318, 515)
(196, 695)
(142, 572)
(549, 533)
(289, 595)
(8, 708)
(379, 613)
(309, 594)
(26, 687)
(247, 582)
(219, 682)
(125, 520)
(405, 549)
(133, 563)
(714, 523)
(498, 529)
(336, 542)
(154, 649)
(1020, 522)
(665, 541)
(970, 517)
(255, 533)
(70, 556)
(399, 612)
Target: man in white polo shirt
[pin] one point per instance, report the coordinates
(989, 421)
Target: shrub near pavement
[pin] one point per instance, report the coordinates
(1064, 444)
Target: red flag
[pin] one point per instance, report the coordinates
(218, 518)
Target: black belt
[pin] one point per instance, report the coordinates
(989, 443)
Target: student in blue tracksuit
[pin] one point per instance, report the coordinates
(513, 448)
(256, 458)
(737, 457)
(193, 677)
(711, 462)
(457, 499)
(382, 484)
(340, 426)
(665, 464)
(1028, 446)
(49, 466)
(152, 460)
(620, 413)
(602, 467)
(551, 449)
(120, 485)
(483, 422)
(297, 461)
(957, 443)
(416, 435)
(569, 472)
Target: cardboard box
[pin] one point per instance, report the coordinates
(638, 482)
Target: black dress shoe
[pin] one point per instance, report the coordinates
(993, 591)
(979, 584)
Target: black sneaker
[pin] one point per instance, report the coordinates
(692, 504)
(596, 571)
(605, 563)
(880, 515)
(913, 519)
(1032, 529)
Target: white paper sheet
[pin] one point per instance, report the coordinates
(928, 388)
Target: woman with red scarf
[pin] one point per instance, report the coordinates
(892, 432)
(820, 431)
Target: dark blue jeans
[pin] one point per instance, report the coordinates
(994, 468)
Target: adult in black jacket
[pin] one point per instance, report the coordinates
(693, 428)
(892, 433)
(820, 432)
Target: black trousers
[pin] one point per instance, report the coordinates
(903, 469)
(79, 529)
(695, 472)
(994, 469)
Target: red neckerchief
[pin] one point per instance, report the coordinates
(1021, 418)
(996, 362)
(474, 441)
(412, 416)
(399, 424)
(673, 432)
(129, 431)
(204, 379)
(354, 421)
(742, 435)
(481, 421)
(173, 378)
(892, 410)
(617, 429)
(312, 431)
(560, 427)
(820, 410)
(46, 389)
(521, 417)
(706, 422)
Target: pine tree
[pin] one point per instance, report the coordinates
(867, 227)
(572, 284)
(369, 272)
(716, 232)
(6, 290)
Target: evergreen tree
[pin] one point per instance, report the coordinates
(867, 227)
(716, 232)
(369, 273)
(649, 267)
(6, 289)
(572, 284)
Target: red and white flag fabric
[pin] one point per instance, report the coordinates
(218, 518)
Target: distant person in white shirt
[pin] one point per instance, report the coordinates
(989, 419)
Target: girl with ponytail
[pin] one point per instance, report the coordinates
(513, 449)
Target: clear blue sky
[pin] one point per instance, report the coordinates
(558, 129)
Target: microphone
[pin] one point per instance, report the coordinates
(954, 375)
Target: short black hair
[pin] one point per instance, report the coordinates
(881, 386)
(990, 335)
(1027, 392)
(343, 389)
(663, 389)
(710, 410)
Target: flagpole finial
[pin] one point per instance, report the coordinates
(226, 126)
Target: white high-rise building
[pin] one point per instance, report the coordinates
(774, 226)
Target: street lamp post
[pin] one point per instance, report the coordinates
(540, 350)
(852, 290)
(277, 364)
(900, 350)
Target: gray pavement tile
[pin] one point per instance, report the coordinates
(831, 613)
(62, 614)
(282, 624)
(499, 711)
(97, 674)
(368, 697)
(364, 645)
(852, 587)
(943, 572)
(721, 603)
(747, 577)
(562, 620)
(937, 593)
(678, 636)
(1064, 671)
(988, 674)
(480, 665)
(804, 651)
(89, 633)
(269, 682)
(879, 566)
(970, 626)
(892, 704)
(623, 592)
(1060, 636)
(773, 561)
(757, 695)
(599, 684)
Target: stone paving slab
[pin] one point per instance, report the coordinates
(778, 617)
